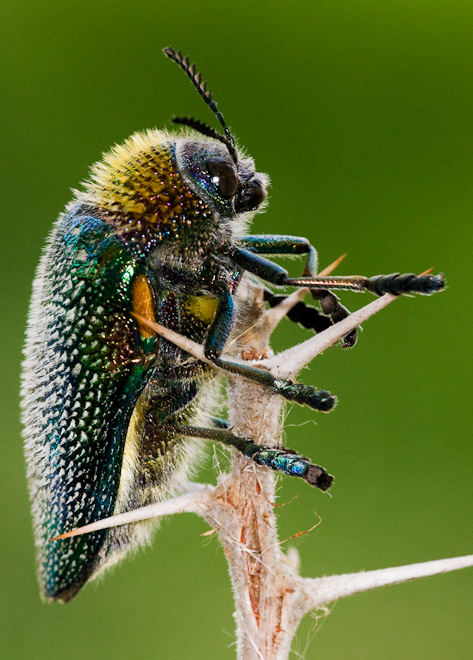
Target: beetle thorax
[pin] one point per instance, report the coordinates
(138, 187)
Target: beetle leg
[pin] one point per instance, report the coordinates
(305, 395)
(306, 315)
(394, 284)
(215, 342)
(221, 326)
(329, 302)
(282, 244)
(276, 458)
(218, 423)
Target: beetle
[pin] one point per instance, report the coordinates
(111, 411)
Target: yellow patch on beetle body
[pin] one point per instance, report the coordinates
(203, 308)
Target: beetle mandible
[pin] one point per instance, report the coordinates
(110, 410)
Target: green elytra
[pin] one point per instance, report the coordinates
(110, 411)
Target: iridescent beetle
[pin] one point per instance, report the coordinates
(110, 410)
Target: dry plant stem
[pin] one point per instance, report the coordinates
(270, 596)
(264, 581)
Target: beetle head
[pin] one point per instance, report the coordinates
(233, 188)
(216, 171)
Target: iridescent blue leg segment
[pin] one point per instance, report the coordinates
(221, 327)
(278, 459)
(220, 423)
(282, 244)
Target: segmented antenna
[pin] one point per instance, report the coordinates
(199, 126)
(205, 94)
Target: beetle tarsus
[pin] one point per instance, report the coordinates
(396, 284)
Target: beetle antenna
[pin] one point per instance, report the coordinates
(199, 126)
(205, 94)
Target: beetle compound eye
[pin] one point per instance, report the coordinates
(224, 176)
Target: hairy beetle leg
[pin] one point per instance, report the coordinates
(395, 284)
(278, 459)
(305, 395)
(219, 331)
(292, 245)
(311, 319)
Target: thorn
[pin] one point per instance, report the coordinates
(146, 322)
(66, 535)
(209, 532)
(331, 267)
(426, 272)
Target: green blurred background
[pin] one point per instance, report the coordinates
(361, 112)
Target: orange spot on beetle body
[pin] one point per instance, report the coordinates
(143, 304)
